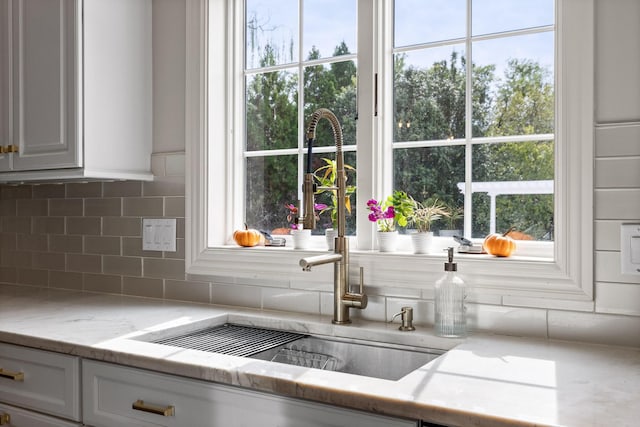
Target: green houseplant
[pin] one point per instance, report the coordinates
(422, 216)
(325, 176)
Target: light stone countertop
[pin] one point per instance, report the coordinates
(484, 380)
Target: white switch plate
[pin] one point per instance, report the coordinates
(159, 235)
(630, 248)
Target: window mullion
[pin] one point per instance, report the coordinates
(368, 138)
(468, 159)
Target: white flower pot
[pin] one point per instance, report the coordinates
(387, 241)
(330, 234)
(301, 238)
(422, 242)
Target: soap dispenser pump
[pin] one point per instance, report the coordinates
(450, 319)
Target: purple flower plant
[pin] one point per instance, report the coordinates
(382, 215)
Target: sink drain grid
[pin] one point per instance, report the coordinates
(234, 340)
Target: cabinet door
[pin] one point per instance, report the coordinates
(45, 84)
(5, 81)
(110, 393)
(21, 418)
(40, 380)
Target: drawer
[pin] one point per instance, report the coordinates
(41, 380)
(111, 391)
(23, 418)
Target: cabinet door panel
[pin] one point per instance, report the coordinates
(5, 81)
(21, 418)
(40, 380)
(109, 393)
(45, 91)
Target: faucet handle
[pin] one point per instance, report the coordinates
(406, 318)
(361, 282)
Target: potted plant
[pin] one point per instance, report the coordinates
(394, 211)
(422, 216)
(301, 236)
(326, 177)
(452, 220)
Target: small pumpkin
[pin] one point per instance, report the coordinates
(499, 244)
(248, 237)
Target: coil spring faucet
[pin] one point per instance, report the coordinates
(343, 298)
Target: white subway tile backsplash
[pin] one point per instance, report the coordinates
(596, 328)
(618, 298)
(290, 300)
(609, 269)
(575, 305)
(238, 295)
(515, 321)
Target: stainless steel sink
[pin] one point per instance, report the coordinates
(358, 357)
(386, 361)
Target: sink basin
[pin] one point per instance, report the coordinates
(386, 361)
(348, 355)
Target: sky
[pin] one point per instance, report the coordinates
(328, 22)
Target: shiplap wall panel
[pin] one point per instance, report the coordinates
(618, 141)
(617, 204)
(622, 172)
(618, 62)
(607, 235)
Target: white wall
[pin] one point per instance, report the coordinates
(616, 318)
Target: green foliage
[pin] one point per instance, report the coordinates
(402, 206)
(326, 177)
(429, 104)
(424, 214)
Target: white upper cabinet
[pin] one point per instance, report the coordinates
(78, 79)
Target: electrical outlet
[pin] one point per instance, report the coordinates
(159, 235)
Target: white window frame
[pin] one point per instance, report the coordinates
(566, 281)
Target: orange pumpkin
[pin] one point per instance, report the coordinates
(248, 237)
(499, 244)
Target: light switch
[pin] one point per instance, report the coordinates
(630, 250)
(159, 235)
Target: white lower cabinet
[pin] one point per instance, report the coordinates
(16, 417)
(41, 381)
(121, 396)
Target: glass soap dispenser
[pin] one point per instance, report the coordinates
(451, 319)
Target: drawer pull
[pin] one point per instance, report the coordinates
(15, 376)
(5, 419)
(166, 411)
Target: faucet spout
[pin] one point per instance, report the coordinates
(307, 263)
(343, 297)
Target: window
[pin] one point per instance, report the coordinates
(226, 74)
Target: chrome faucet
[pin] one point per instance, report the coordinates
(343, 298)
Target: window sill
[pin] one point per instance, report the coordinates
(516, 276)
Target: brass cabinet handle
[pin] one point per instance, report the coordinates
(5, 419)
(12, 149)
(15, 376)
(167, 411)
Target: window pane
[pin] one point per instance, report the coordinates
(271, 184)
(493, 16)
(517, 74)
(429, 173)
(329, 28)
(323, 165)
(272, 111)
(271, 32)
(332, 86)
(519, 177)
(429, 100)
(425, 21)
